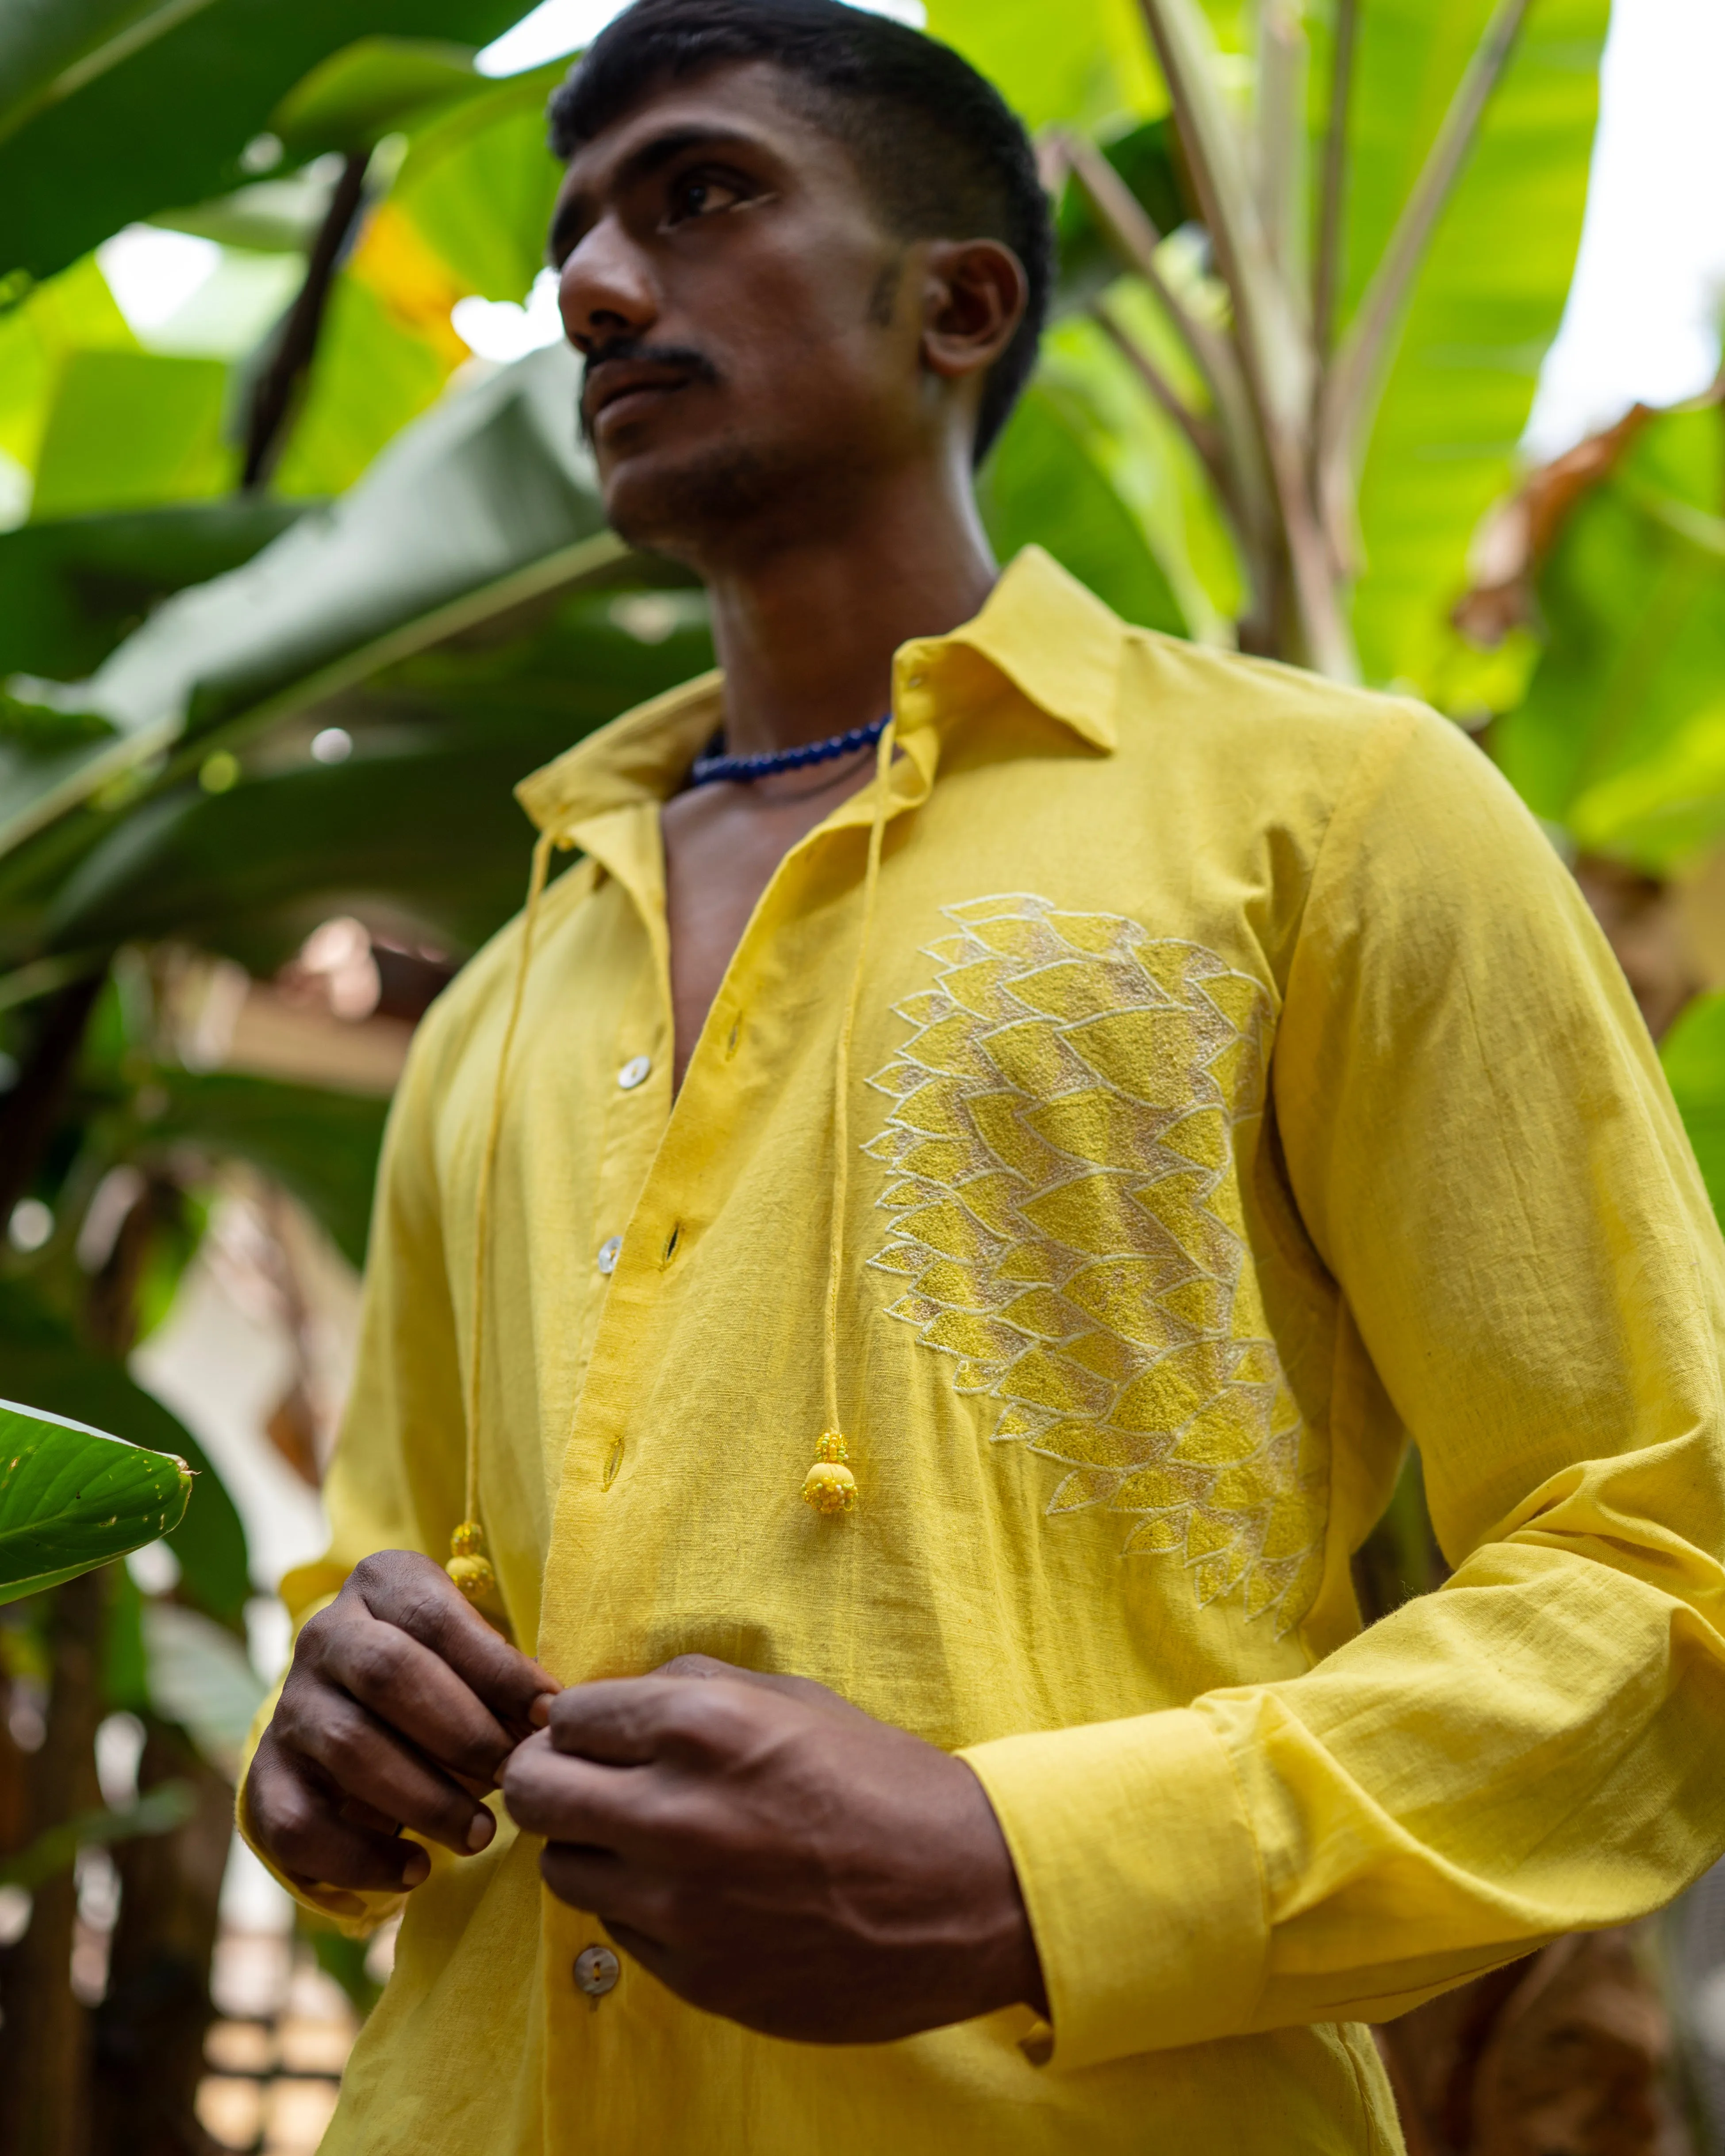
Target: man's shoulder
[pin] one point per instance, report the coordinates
(1259, 739)
(1231, 699)
(1247, 745)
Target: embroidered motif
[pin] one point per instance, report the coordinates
(1067, 1223)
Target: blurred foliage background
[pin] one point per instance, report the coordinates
(302, 567)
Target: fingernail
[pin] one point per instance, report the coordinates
(539, 1713)
(417, 1868)
(479, 1834)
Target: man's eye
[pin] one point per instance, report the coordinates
(702, 195)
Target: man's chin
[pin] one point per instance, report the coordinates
(681, 505)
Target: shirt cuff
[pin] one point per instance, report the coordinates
(1141, 1877)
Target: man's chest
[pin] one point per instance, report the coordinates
(1058, 1346)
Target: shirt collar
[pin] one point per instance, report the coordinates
(1057, 644)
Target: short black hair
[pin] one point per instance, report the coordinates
(937, 146)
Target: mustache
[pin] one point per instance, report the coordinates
(684, 358)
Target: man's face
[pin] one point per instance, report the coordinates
(752, 349)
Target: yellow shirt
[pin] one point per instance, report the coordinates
(1239, 1088)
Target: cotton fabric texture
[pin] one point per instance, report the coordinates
(1239, 1088)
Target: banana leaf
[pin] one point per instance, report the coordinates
(1488, 300)
(1622, 734)
(72, 1498)
(40, 1354)
(70, 591)
(490, 484)
(1693, 1053)
(175, 92)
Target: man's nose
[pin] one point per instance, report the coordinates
(606, 291)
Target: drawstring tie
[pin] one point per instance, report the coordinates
(468, 1566)
(829, 1486)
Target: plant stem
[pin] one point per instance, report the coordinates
(150, 2029)
(1281, 171)
(1132, 231)
(1326, 284)
(30, 1111)
(274, 395)
(1203, 437)
(44, 2039)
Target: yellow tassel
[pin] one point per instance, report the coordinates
(468, 1566)
(829, 1486)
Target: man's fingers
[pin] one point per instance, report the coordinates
(357, 1812)
(337, 1854)
(619, 1809)
(805, 1689)
(301, 1829)
(606, 1887)
(365, 1760)
(412, 1688)
(404, 1589)
(629, 1721)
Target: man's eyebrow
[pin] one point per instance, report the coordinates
(642, 164)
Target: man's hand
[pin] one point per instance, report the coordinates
(400, 1708)
(774, 1854)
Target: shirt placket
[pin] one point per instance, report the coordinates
(652, 1137)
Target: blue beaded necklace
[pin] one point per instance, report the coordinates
(710, 769)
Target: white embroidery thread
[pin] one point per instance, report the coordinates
(1066, 1215)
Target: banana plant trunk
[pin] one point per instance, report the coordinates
(149, 2030)
(45, 2038)
(1287, 402)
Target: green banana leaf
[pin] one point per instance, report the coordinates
(72, 1498)
(198, 1674)
(373, 376)
(249, 872)
(479, 185)
(1622, 734)
(488, 485)
(1046, 482)
(174, 91)
(41, 1355)
(40, 38)
(374, 87)
(1087, 64)
(1487, 305)
(1693, 1053)
(1147, 158)
(75, 312)
(321, 1146)
(70, 591)
(132, 430)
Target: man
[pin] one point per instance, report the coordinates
(1071, 1139)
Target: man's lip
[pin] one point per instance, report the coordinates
(618, 381)
(629, 404)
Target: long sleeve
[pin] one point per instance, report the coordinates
(1482, 1151)
(396, 1480)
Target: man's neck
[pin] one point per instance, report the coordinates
(806, 629)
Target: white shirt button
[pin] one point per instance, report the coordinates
(635, 1072)
(597, 1970)
(610, 1251)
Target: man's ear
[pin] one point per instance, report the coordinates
(975, 292)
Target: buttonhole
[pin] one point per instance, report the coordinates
(731, 1044)
(613, 1462)
(670, 1248)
